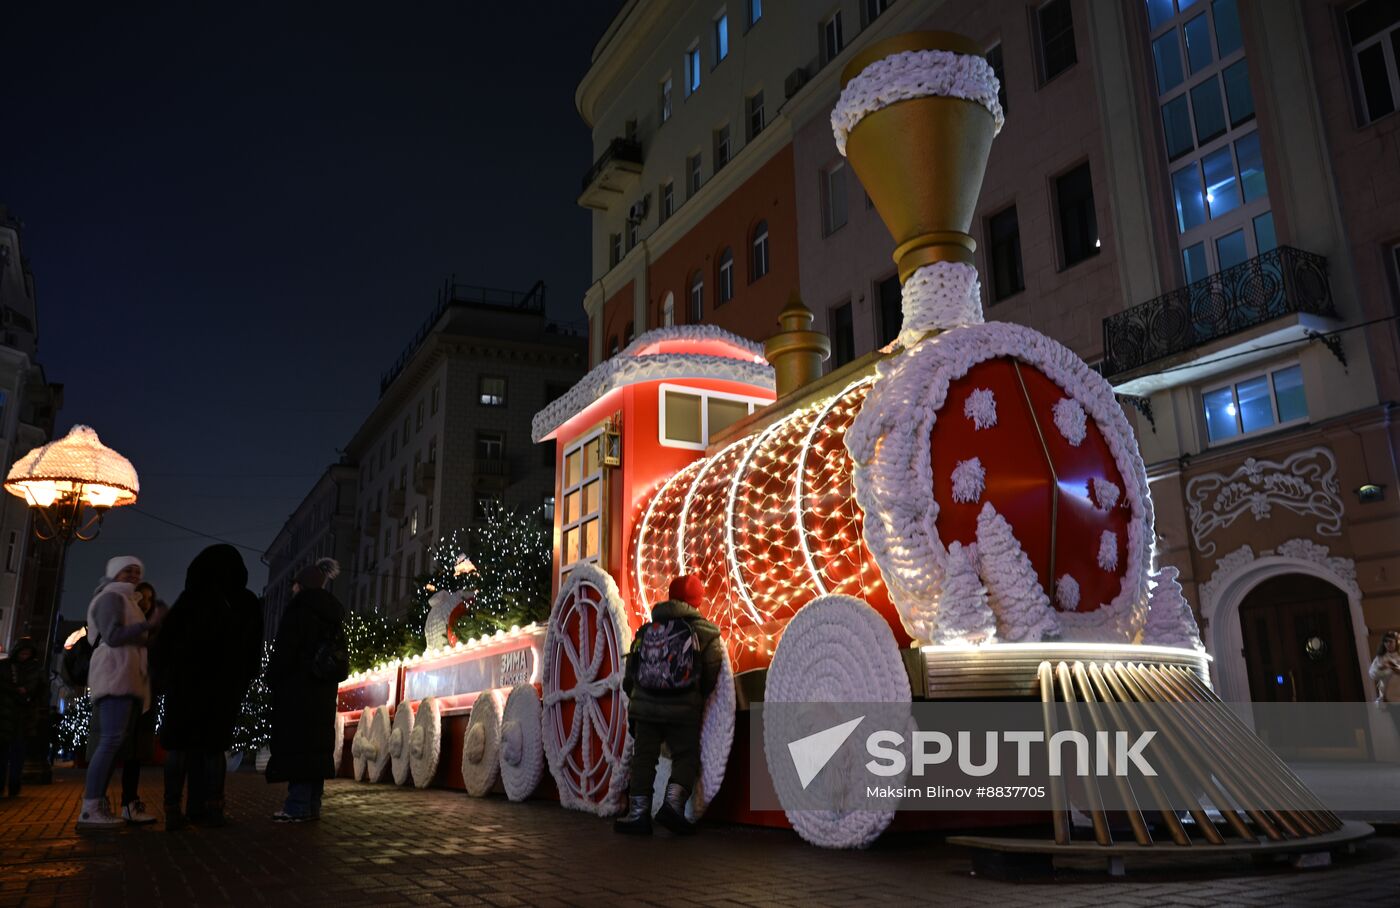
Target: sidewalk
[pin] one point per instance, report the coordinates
(380, 845)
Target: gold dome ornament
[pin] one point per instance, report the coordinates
(64, 477)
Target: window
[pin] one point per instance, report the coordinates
(832, 41)
(413, 524)
(1255, 403)
(1374, 30)
(755, 105)
(614, 249)
(419, 422)
(721, 137)
(1004, 254)
(486, 503)
(12, 553)
(692, 70)
(691, 418)
(432, 451)
(692, 166)
(490, 445)
(581, 523)
(406, 422)
(547, 508)
(843, 338)
(632, 225)
(1074, 205)
(758, 261)
(668, 310)
(666, 98)
(721, 36)
(873, 8)
(1055, 34)
(891, 310)
(613, 346)
(492, 391)
(994, 60)
(433, 402)
(834, 197)
(726, 277)
(697, 298)
(631, 333)
(755, 11)
(668, 200)
(428, 512)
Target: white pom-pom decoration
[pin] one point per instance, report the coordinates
(1014, 593)
(1170, 621)
(981, 408)
(1070, 420)
(481, 745)
(963, 614)
(425, 744)
(968, 480)
(1104, 493)
(1108, 551)
(522, 751)
(1067, 593)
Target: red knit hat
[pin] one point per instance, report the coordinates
(688, 589)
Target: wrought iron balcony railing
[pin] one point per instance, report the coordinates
(618, 149)
(1282, 281)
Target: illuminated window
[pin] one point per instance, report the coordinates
(666, 98)
(492, 391)
(691, 418)
(1255, 403)
(692, 70)
(721, 36)
(581, 520)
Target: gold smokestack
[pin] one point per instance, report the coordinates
(796, 352)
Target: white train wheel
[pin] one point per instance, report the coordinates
(379, 740)
(400, 735)
(584, 717)
(339, 746)
(362, 744)
(481, 747)
(716, 740)
(837, 649)
(522, 752)
(425, 742)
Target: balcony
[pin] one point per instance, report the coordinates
(491, 466)
(424, 477)
(1273, 298)
(617, 170)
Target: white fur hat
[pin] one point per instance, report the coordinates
(115, 565)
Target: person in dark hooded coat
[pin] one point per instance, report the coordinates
(22, 694)
(303, 694)
(207, 654)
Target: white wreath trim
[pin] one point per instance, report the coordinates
(938, 297)
(915, 74)
(892, 474)
(480, 771)
(522, 751)
(400, 741)
(612, 608)
(425, 744)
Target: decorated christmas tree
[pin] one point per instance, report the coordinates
(1170, 621)
(1013, 591)
(74, 724)
(963, 613)
(254, 728)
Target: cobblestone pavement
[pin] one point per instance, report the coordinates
(381, 845)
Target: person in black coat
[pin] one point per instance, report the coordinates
(304, 692)
(207, 654)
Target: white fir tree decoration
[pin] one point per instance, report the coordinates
(1067, 593)
(1070, 420)
(1170, 621)
(1014, 592)
(963, 613)
(1108, 550)
(969, 478)
(981, 408)
(1105, 493)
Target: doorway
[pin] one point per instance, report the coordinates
(1298, 648)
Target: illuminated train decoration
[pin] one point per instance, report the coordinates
(947, 518)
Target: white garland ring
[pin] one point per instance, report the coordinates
(339, 747)
(400, 739)
(378, 760)
(425, 744)
(522, 752)
(362, 744)
(837, 649)
(572, 717)
(893, 479)
(481, 746)
(716, 740)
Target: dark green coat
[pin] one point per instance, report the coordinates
(675, 707)
(19, 712)
(303, 706)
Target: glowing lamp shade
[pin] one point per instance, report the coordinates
(76, 465)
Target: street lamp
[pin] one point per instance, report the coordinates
(70, 484)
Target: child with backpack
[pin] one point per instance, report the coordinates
(672, 667)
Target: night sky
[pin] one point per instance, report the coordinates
(237, 217)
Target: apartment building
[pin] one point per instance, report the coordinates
(1197, 196)
(322, 526)
(450, 435)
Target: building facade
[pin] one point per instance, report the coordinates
(1197, 196)
(450, 436)
(322, 526)
(29, 572)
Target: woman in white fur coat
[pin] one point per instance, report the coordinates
(119, 679)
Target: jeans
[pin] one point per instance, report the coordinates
(12, 763)
(304, 798)
(114, 714)
(205, 772)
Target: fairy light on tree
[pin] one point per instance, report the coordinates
(254, 728)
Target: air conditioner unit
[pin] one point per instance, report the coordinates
(794, 82)
(637, 211)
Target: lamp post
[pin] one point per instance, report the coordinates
(69, 485)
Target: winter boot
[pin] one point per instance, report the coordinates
(638, 819)
(174, 818)
(134, 813)
(212, 815)
(96, 815)
(672, 812)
